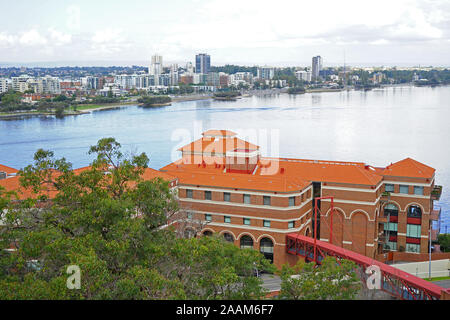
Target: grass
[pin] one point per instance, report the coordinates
(437, 279)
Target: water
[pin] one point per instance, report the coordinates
(377, 127)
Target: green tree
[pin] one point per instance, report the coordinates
(112, 224)
(444, 242)
(329, 281)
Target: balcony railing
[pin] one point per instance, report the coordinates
(436, 193)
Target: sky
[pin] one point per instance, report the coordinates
(245, 32)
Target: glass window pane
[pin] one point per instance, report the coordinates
(292, 201)
(247, 198)
(208, 217)
(291, 224)
(267, 223)
(404, 189)
(247, 221)
(266, 201)
(389, 188)
(226, 197)
(418, 190)
(208, 195)
(227, 219)
(189, 194)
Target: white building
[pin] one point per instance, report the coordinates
(20, 83)
(265, 73)
(174, 76)
(156, 67)
(4, 85)
(303, 75)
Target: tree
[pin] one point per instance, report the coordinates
(112, 223)
(444, 242)
(329, 281)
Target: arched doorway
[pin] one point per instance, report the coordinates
(207, 233)
(266, 248)
(228, 237)
(359, 232)
(246, 242)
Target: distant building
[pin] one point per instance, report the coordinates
(303, 75)
(213, 79)
(378, 77)
(4, 85)
(202, 63)
(265, 73)
(187, 78)
(316, 67)
(224, 80)
(156, 67)
(200, 78)
(174, 76)
(190, 67)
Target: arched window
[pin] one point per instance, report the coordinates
(390, 210)
(246, 242)
(414, 212)
(207, 233)
(228, 237)
(266, 248)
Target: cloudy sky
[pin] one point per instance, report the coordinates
(283, 32)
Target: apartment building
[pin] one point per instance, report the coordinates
(255, 201)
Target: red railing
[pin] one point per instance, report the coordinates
(396, 282)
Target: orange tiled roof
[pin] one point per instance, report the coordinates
(13, 183)
(7, 169)
(219, 133)
(208, 145)
(215, 176)
(409, 168)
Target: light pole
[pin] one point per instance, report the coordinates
(429, 265)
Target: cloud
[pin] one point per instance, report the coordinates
(59, 38)
(32, 38)
(108, 41)
(7, 40)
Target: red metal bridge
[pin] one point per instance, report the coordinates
(395, 282)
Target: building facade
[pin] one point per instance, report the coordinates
(255, 201)
(202, 63)
(316, 67)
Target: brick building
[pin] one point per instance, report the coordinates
(255, 201)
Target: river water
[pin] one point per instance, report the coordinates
(376, 127)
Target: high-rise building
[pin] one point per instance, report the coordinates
(4, 85)
(202, 63)
(316, 66)
(174, 76)
(156, 67)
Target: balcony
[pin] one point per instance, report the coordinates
(435, 214)
(436, 193)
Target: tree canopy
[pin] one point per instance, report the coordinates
(111, 223)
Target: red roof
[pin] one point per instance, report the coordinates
(409, 168)
(209, 145)
(8, 170)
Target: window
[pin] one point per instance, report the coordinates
(412, 247)
(190, 215)
(247, 198)
(414, 212)
(228, 237)
(418, 190)
(389, 188)
(291, 201)
(246, 242)
(267, 223)
(390, 226)
(227, 219)
(390, 246)
(208, 217)
(189, 194)
(291, 224)
(266, 200)
(226, 197)
(390, 210)
(404, 189)
(246, 221)
(208, 195)
(413, 230)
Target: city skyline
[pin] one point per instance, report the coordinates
(410, 33)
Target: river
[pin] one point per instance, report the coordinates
(376, 127)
